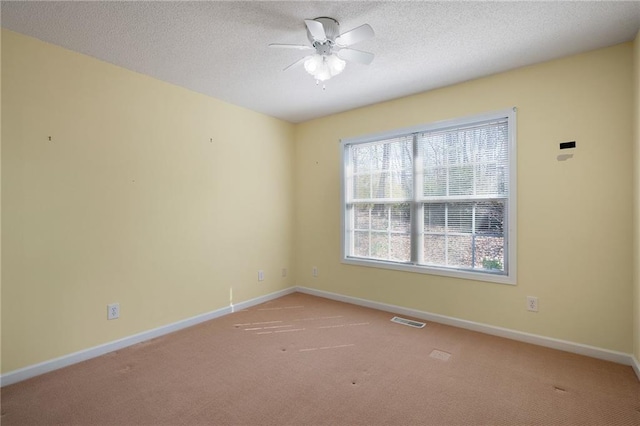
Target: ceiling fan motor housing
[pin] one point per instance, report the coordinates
(331, 30)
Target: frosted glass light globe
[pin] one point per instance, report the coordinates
(313, 64)
(336, 65)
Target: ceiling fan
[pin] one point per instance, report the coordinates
(331, 48)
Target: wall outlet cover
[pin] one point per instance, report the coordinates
(113, 311)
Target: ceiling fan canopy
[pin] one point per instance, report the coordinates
(331, 48)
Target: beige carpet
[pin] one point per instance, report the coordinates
(303, 360)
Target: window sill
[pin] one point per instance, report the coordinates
(474, 276)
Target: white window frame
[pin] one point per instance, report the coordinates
(510, 274)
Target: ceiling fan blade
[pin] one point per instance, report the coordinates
(296, 63)
(291, 46)
(316, 29)
(356, 35)
(354, 55)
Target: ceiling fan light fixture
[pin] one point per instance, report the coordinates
(331, 48)
(323, 67)
(336, 65)
(313, 64)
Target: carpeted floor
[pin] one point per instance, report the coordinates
(303, 360)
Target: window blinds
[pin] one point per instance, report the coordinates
(433, 198)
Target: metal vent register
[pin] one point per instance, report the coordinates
(408, 322)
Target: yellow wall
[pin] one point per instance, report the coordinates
(0, 207)
(129, 202)
(574, 217)
(636, 211)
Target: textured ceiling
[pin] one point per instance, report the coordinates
(220, 48)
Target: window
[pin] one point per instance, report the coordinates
(438, 198)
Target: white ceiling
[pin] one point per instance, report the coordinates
(219, 48)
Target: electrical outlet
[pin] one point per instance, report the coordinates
(314, 272)
(284, 272)
(113, 311)
(532, 304)
(260, 275)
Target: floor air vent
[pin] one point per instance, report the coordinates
(408, 322)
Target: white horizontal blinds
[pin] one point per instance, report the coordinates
(466, 162)
(379, 200)
(464, 193)
(382, 171)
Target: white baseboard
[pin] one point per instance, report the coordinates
(549, 342)
(266, 298)
(66, 360)
(83, 355)
(636, 365)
